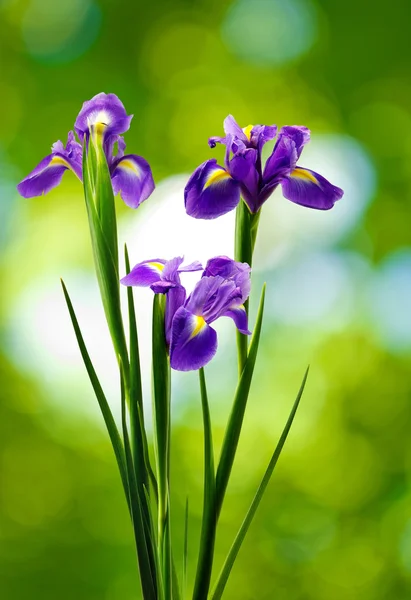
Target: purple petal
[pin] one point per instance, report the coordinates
(193, 341)
(104, 111)
(243, 169)
(231, 127)
(260, 134)
(171, 269)
(145, 273)
(47, 174)
(212, 296)
(282, 160)
(239, 316)
(310, 189)
(299, 134)
(175, 299)
(131, 177)
(230, 269)
(211, 192)
(194, 266)
(162, 287)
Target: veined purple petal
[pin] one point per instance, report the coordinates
(310, 189)
(212, 296)
(131, 177)
(193, 342)
(299, 134)
(260, 134)
(230, 269)
(211, 191)
(171, 269)
(175, 298)
(104, 113)
(239, 316)
(50, 170)
(146, 273)
(243, 169)
(194, 266)
(282, 160)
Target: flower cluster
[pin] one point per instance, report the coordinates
(214, 190)
(221, 292)
(104, 117)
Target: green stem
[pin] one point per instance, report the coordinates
(209, 524)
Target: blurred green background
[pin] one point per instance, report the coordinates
(336, 521)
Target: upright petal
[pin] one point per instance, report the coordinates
(230, 269)
(212, 296)
(193, 342)
(282, 160)
(299, 134)
(310, 189)
(131, 177)
(243, 169)
(211, 191)
(105, 114)
(146, 273)
(260, 134)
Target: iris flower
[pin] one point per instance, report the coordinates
(193, 340)
(163, 277)
(214, 190)
(103, 116)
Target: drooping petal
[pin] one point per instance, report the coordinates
(310, 189)
(239, 316)
(175, 298)
(243, 169)
(105, 114)
(145, 273)
(193, 342)
(211, 191)
(47, 175)
(230, 269)
(299, 134)
(131, 177)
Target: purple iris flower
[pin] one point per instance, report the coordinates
(193, 340)
(213, 190)
(130, 174)
(163, 277)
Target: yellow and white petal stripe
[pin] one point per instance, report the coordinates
(300, 173)
(198, 325)
(216, 176)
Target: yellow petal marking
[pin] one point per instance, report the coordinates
(156, 265)
(304, 174)
(128, 164)
(199, 324)
(59, 161)
(247, 131)
(215, 177)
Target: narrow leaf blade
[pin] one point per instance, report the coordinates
(235, 548)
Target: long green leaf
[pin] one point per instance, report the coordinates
(235, 421)
(161, 414)
(185, 551)
(232, 555)
(208, 528)
(101, 399)
(143, 542)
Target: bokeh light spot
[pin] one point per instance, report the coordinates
(59, 32)
(270, 32)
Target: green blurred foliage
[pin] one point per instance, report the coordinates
(336, 521)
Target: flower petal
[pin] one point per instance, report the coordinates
(310, 189)
(145, 273)
(230, 269)
(212, 296)
(299, 134)
(105, 113)
(131, 177)
(211, 191)
(174, 300)
(47, 175)
(243, 169)
(193, 341)
(260, 134)
(281, 162)
(239, 316)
